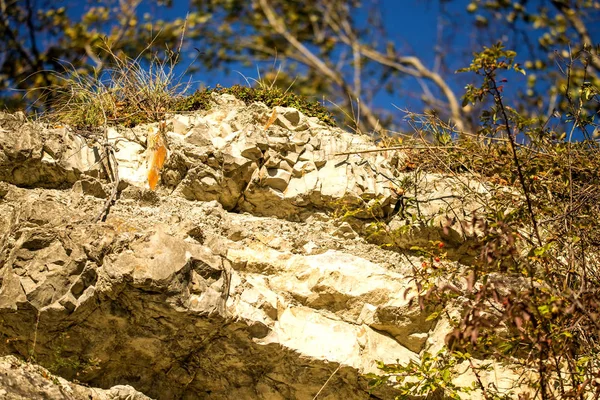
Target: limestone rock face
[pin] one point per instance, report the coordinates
(32, 156)
(236, 279)
(23, 381)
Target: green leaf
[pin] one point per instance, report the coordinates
(544, 310)
(433, 315)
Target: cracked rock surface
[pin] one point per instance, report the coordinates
(233, 280)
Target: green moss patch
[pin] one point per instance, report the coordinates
(201, 100)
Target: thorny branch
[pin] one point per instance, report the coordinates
(513, 146)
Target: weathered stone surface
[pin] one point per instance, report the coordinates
(25, 381)
(246, 275)
(220, 155)
(34, 155)
(139, 293)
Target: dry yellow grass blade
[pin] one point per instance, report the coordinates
(271, 120)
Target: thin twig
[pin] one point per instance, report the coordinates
(478, 377)
(498, 100)
(327, 381)
(35, 333)
(110, 153)
(395, 148)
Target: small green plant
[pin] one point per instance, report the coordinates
(72, 363)
(430, 374)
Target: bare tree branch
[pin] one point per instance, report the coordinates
(418, 70)
(408, 65)
(316, 62)
(577, 23)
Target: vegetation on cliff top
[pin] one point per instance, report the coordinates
(132, 92)
(271, 96)
(530, 294)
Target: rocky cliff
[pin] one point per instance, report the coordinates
(253, 271)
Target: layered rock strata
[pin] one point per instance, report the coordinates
(237, 278)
